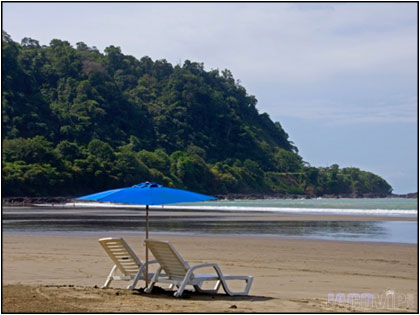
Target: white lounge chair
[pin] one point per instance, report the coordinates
(179, 273)
(126, 262)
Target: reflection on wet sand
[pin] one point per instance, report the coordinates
(39, 220)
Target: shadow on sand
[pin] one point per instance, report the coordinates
(160, 293)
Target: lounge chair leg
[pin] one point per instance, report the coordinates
(222, 281)
(132, 286)
(110, 277)
(178, 293)
(248, 281)
(211, 291)
(153, 281)
(217, 286)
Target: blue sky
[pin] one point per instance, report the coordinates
(341, 78)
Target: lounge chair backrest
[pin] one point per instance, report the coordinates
(168, 257)
(121, 254)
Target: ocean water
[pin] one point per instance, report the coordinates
(231, 219)
(396, 207)
(393, 207)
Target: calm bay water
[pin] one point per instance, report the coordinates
(230, 219)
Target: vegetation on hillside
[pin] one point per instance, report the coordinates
(76, 121)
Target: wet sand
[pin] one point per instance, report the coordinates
(53, 273)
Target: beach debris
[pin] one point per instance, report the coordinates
(117, 293)
(233, 306)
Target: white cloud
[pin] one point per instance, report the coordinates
(282, 52)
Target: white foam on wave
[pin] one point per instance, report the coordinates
(286, 210)
(373, 212)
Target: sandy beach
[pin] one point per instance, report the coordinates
(60, 273)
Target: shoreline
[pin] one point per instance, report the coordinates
(66, 272)
(97, 221)
(239, 215)
(25, 201)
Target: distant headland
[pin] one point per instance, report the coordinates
(77, 121)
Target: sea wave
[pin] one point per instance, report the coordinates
(286, 210)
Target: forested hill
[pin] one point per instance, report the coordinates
(75, 120)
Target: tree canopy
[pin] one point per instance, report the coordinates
(75, 120)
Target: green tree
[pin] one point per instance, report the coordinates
(79, 121)
(101, 150)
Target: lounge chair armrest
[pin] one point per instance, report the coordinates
(151, 262)
(214, 265)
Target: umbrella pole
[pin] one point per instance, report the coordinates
(147, 251)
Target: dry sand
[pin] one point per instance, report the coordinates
(43, 273)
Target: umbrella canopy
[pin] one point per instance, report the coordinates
(147, 194)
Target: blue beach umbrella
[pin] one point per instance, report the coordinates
(148, 194)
